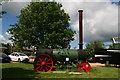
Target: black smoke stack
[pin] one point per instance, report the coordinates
(80, 29)
(82, 54)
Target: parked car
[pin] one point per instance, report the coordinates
(20, 57)
(32, 56)
(4, 58)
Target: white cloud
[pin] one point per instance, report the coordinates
(4, 40)
(100, 19)
(83, 0)
(14, 7)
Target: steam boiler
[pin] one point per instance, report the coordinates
(47, 58)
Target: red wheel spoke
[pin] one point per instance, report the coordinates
(41, 68)
(48, 60)
(38, 67)
(45, 59)
(46, 68)
(40, 59)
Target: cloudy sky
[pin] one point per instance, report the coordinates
(100, 18)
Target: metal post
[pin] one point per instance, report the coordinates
(80, 29)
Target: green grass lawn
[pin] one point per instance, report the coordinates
(25, 70)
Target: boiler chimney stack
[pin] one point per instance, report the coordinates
(80, 29)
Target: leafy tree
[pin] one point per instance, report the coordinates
(90, 47)
(42, 24)
(2, 12)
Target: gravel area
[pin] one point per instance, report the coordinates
(97, 65)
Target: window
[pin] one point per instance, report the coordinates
(13, 54)
(21, 54)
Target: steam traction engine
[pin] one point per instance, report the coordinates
(46, 58)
